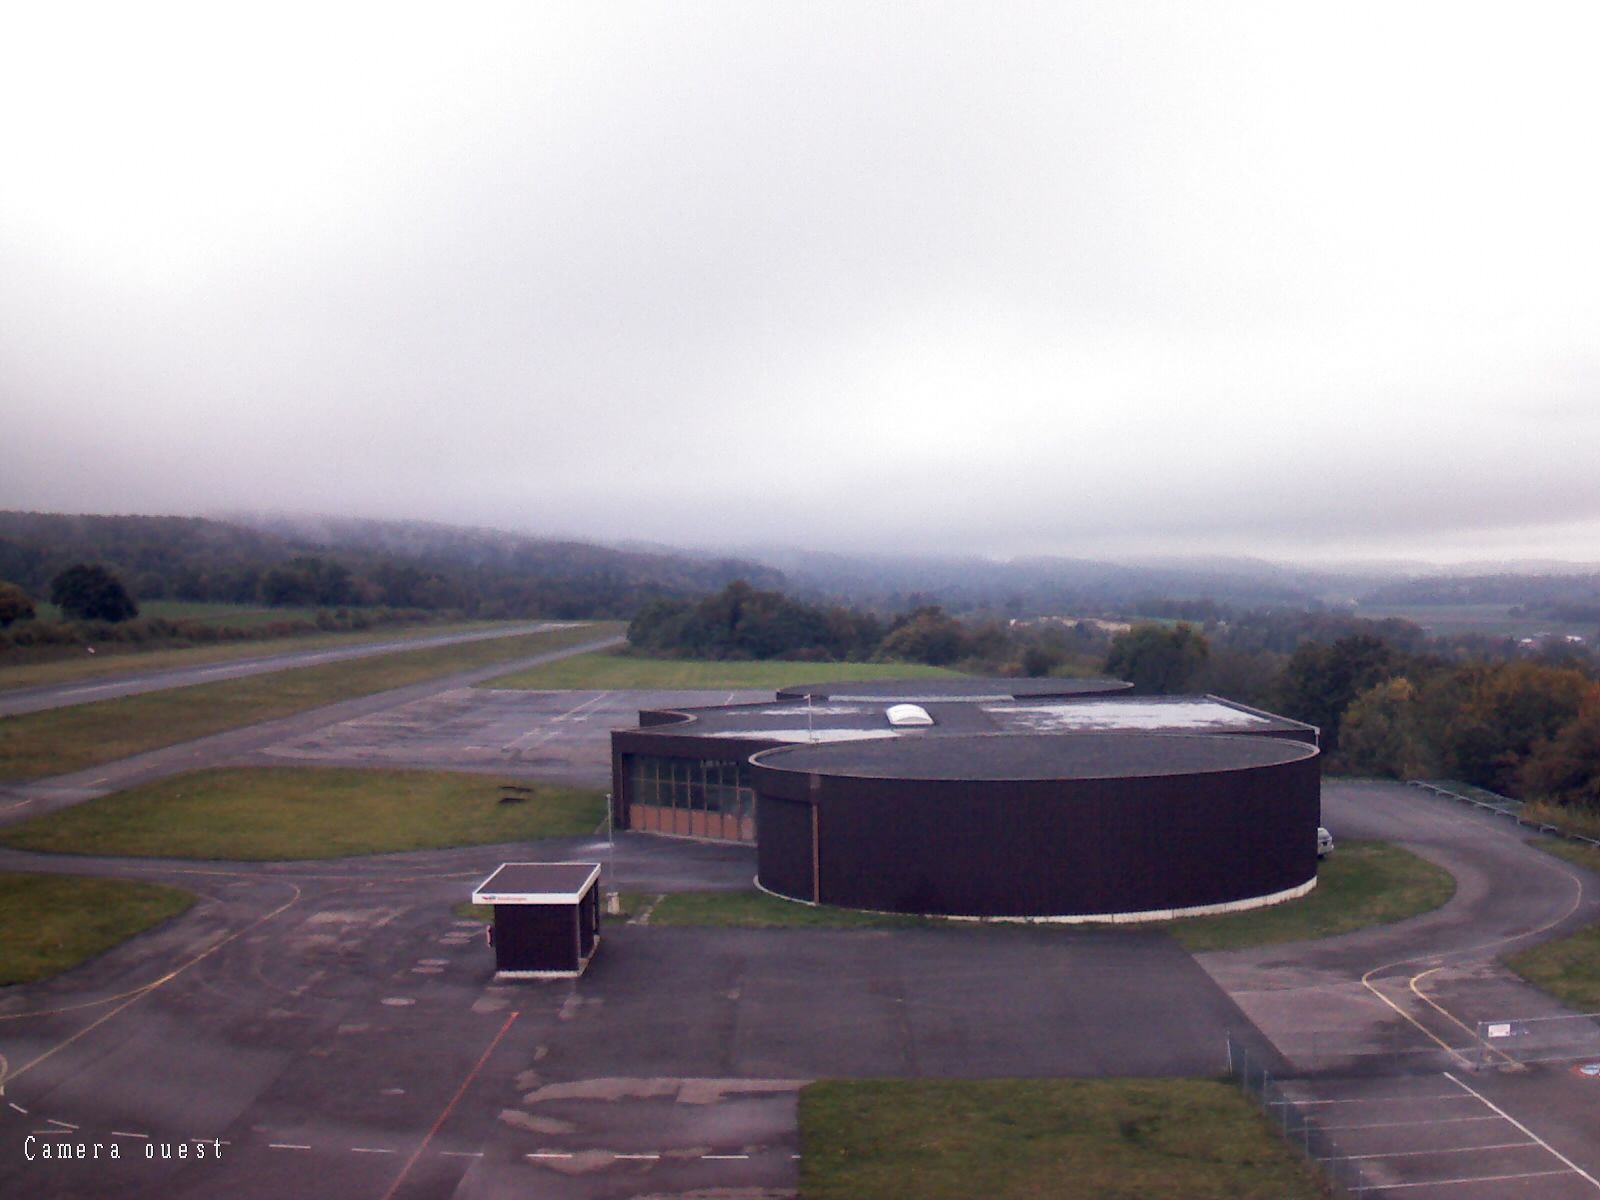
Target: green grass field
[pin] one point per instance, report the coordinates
(1359, 885)
(612, 670)
(1362, 884)
(50, 923)
(281, 813)
(1568, 968)
(117, 659)
(1043, 1139)
(70, 739)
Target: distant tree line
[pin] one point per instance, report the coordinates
(743, 622)
(1413, 707)
(354, 564)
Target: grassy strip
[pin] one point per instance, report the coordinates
(1574, 852)
(59, 740)
(115, 660)
(51, 923)
(611, 670)
(1563, 816)
(1361, 884)
(276, 813)
(758, 910)
(1568, 968)
(1364, 884)
(1022, 1139)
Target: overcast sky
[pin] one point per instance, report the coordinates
(1297, 280)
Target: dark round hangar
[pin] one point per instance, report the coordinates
(1099, 826)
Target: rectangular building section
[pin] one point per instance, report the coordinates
(546, 918)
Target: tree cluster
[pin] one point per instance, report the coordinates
(367, 564)
(743, 622)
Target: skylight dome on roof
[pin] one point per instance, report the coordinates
(903, 716)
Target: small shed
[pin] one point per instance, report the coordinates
(546, 918)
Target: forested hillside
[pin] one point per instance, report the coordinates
(345, 563)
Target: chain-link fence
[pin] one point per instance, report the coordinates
(1539, 1039)
(1297, 1126)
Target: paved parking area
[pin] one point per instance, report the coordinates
(564, 736)
(1437, 1134)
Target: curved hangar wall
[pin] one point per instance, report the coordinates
(1111, 826)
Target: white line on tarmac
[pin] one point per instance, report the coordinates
(1371, 1100)
(1404, 1124)
(462, 1153)
(1384, 1187)
(1595, 1183)
(286, 1146)
(18, 1107)
(725, 1157)
(63, 1124)
(125, 1133)
(547, 1154)
(370, 1150)
(1419, 1153)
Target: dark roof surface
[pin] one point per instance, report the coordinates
(1002, 756)
(955, 687)
(842, 719)
(538, 879)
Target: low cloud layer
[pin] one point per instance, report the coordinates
(1304, 281)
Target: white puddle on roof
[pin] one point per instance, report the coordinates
(1122, 714)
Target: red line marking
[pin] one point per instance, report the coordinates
(449, 1108)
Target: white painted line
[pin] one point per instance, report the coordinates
(370, 1150)
(1405, 1124)
(1370, 1100)
(1593, 1182)
(125, 1133)
(647, 1157)
(1384, 1187)
(18, 1107)
(547, 1154)
(1420, 1153)
(63, 1124)
(286, 1146)
(462, 1153)
(725, 1157)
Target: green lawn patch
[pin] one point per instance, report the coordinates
(1030, 1139)
(51, 923)
(275, 813)
(1359, 885)
(759, 910)
(1362, 884)
(59, 740)
(613, 670)
(1568, 968)
(1574, 852)
(116, 659)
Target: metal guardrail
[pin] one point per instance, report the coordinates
(1500, 805)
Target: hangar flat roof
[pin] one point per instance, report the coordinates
(993, 758)
(952, 687)
(537, 883)
(838, 720)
